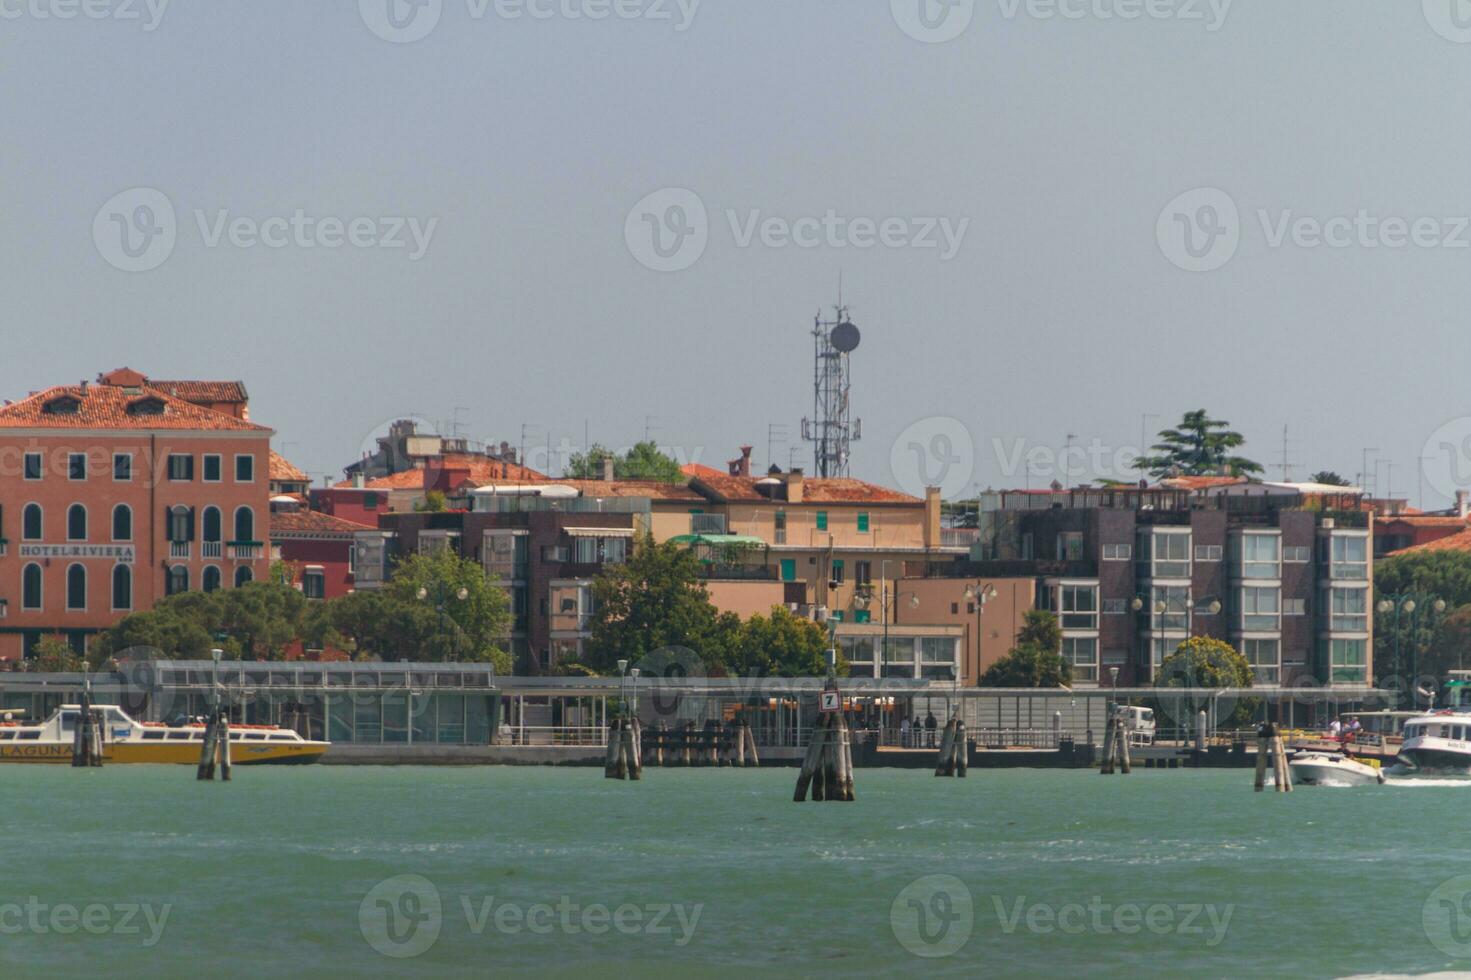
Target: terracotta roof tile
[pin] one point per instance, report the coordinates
(282, 471)
(1453, 542)
(815, 490)
(203, 391)
(107, 407)
(700, 469)
(1422, 520)
(482, 471)
(312, 522)
(653, 489)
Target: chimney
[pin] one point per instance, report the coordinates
(357, 479)
(742, 466)
(1463, 503)
(796, 482)
(608, 469)
(932, 517)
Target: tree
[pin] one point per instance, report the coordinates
(1416, 636)
(1028, 666)
(645, 461)
(434, 502)
(53, 655)
(1328, 478)
(1040, 629)
(653, 601)
(1199, 446)
(1205, 662)
(781, 645)
(424, 612)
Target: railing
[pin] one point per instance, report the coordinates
(575, 735)
(212, 549)
(959, 537)
(245, 550)
(738, 572)
(179, 550)
(707, 523)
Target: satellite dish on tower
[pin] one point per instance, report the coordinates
(844, 337)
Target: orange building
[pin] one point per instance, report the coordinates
(117, 493)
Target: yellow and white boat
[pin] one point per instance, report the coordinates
(126, 740)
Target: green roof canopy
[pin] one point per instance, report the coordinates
(719, 539)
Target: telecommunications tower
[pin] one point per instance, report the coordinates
(832, 428)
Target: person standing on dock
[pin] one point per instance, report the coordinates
(929, 730)
(904, 732)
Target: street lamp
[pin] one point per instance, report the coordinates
(1408, 604)
(979, 594)
(442, 595)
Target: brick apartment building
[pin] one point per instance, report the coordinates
(117, 493)
(1282, 572)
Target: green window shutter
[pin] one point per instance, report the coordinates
(836, 615)
(822, 520)
(860, 615)
(789, 569)
(863, 522)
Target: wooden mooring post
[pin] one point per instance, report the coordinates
(1269, 746)
(87, 737)
(954, 759)
(1115, 748)
(827, 769)
(214, 754)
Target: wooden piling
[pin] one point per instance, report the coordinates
(660, 730)
(1263, 749)
(1108, 749)
(628, 757)
(962, 751)
(222, 740)
(809, 765)
(846, 763)
(751, 745)
(1284, 775)
(1121, 739)
(610, 761)
(208, 751)
(738, 743)
(945, 762)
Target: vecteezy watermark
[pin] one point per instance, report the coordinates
(1102, 918)
(403, 917)
(938, 21)
(1446, 917)
(668, 230)
(406, 21)
(136, 230)
(1199, 230)
(1451, 19)
(35, 917)
(149, 13)
(933, 916)
(933, 452)
(1446, 457)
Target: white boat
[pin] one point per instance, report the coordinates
(1439, 741)
(1316, 768)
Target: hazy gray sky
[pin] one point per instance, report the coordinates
(1050, 146)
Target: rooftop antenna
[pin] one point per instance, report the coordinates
(1067, 452)
(832, 430)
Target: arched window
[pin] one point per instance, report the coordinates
(211, 579)
(178, 580)
(244, 524)
(122, 523)
(122, 588)
(76, 587)
(243, 574)
(31, 596)
(76, 523)
(212, 524)
(33, 523)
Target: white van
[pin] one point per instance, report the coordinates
(1138, 722)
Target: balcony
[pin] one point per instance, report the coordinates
(179, 550)
(738, 573)
(245, 550)
(212, 549)
(959, 537)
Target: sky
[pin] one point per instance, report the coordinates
(1057, 223)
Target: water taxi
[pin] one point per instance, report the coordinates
(1439, 740)
(1317, 768)
(127, 740)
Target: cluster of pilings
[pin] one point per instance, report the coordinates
(215, 754)
(1269, 744)
(828, 767)
(87, 738)
(1115, 748)
(954, 750)
(731, 744)
(625, 750)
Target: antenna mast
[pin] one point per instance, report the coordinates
(832, 430)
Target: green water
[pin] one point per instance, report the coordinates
(295, 870)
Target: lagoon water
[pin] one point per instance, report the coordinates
(140, 870)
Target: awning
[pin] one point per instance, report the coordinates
(599, 532)
(720, 540)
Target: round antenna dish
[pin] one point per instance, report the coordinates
(844, 337)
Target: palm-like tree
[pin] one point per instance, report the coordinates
(1198, 446)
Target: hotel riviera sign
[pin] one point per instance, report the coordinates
(120, 553)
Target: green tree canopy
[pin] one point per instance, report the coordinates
(1208, 663)
(653, 601)
(1198, 446)
(1035, 660)
(781, 645)
(1328, 478)
(645, 461)
(53, 655)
